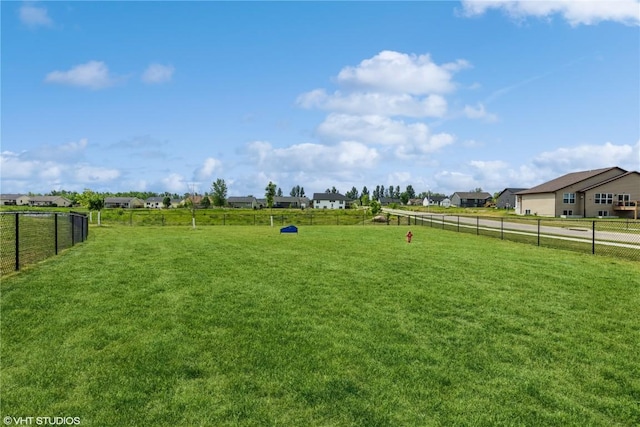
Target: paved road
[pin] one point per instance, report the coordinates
(627, 240)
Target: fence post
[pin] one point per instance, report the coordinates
(458, 223)
(17, 241)
(477, 226)
(593, 238)
(55, 232)
(538, 232)
(501, 228)
(73, 231)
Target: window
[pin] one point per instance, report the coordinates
(569, 198)
(567, 212)
(624, 199)
(527, 212)
(603, 213)
(603, 199)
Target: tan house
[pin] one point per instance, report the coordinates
(14, 199)
(123, 202)
(49, 201)
(594, 193)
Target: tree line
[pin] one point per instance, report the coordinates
(217, 195)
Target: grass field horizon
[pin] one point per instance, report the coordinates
(344, 325)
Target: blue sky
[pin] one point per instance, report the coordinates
(446, 96)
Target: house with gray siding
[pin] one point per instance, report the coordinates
(248, 202)
(507, 198)
(464, 199)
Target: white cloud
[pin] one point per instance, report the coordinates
(450, 182)
(309, 158)
(31, 173)
(208, 168)
(13, 167)
(175, 183)
(158, 73)
(410, 140)
(91, 174)
(92, 75)
(576, 12)
(397, 72)
(34, 16)
(479, 112)
(496, 175)
(375, 103)
(585, 157)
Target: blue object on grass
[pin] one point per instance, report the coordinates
(289, 229)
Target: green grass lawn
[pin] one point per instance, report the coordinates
(335, 326)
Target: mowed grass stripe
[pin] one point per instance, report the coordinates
(333, 326)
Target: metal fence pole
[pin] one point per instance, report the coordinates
(17, 241)
(501, 228)
(55, 232)
(73, 234)
(477, 226)
(538, 232)
(593, 238)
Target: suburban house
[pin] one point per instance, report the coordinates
(195, 199)
(158, 203)
(290, 202)
(594, 193)
(386, 201)
(330, 201)
(470, 199)
(49, 201)
(14, 199)
(248, 202)
(123, 202)
(507, 198)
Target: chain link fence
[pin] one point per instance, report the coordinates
(206, 217)
(29, 237)
(617, 238)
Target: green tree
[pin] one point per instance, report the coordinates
(166, 202)
(404, 196)
(206, 202)
(365, 192)
(297, 191)
(219, 192)
(270, 193)
(375, 207)
(352, 194)
(279, 192)
(84, 197)
(410, 192)
(96, 203)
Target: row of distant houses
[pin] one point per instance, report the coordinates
(606, 192)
